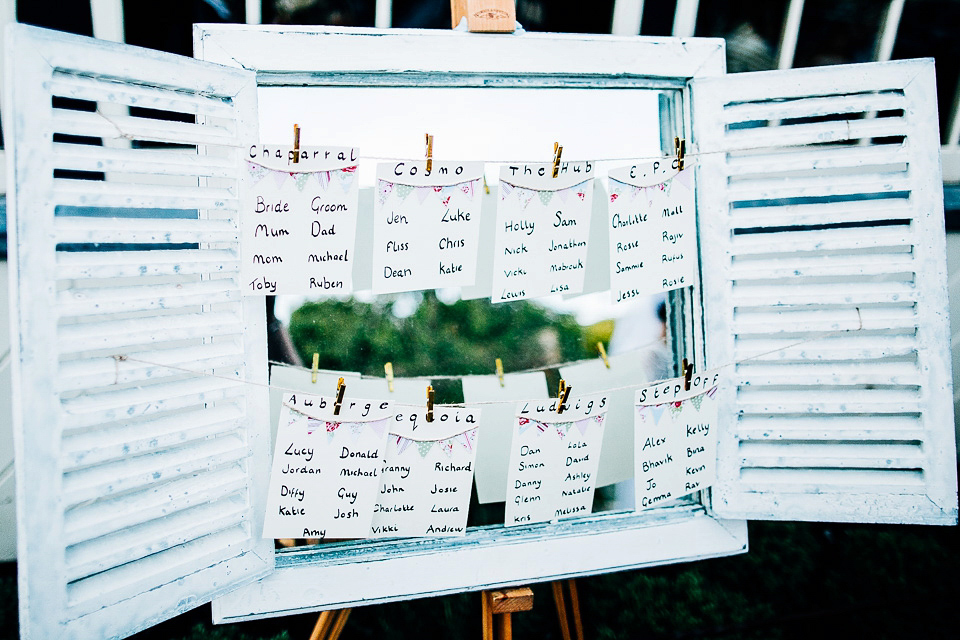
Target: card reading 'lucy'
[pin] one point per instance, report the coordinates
(675, 445)
(653, 230)
(426, 227)
(427, 473)
(299, 220)
(326, 468)
(543, 224)
(553, 459)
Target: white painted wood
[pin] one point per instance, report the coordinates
(685, 18)
(383, 16)
(253, 11)
(367, 572)
(627, 17)
(107, 17)
(405, 52)
(887, 35)
(841, 406)
(136, 482)
(327, 578)
(790, 34)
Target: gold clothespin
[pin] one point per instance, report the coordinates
(313, 369)
(429, 152)
(429, 403)
(341, 389)
(680, 149)
(486, 187)
(562, 395)
(500, 370)
(296, 147)
(388, 369)
(603, 354)
(557, 152)
(687, 374)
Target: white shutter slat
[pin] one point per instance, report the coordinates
(824, 280)
(140, 449)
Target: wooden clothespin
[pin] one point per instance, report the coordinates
(687, 374)
(500, 371)
(680, 149)
(557, 152)
(313, 369)
(388, 369)
(429, 152)
(562, 395)
(341, 389)
(603, 354)
(296, 147)
(429, 403)
(486, 187)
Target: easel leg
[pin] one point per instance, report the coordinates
(486, 615)
(326, 623)
(506, 627)
(502, 603)
(560, 601)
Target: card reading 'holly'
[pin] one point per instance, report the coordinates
(653, 229)
(326, 468)
(426, 227)
(543, 224)
(675, 445)
(427, 473)
(299, 220)
(553, 459)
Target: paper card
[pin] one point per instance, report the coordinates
(676, 439)
(496, 424)
(326, 469)
(627, 373)
(426, 226)
(543, 228)
(653, 230)
(427, 473)
(482, 287)
(285, 379)
(596, 276)
(553, 459)
(298, 221)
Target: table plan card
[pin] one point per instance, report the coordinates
(326, 468)
(298, 220)
(543, 224)
(553, 459)
(653, 229)
(499, 400)
(427, 473)
(426, 227)
(675, 446)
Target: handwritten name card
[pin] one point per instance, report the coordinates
(543, 224)
(553, 460)
(298, 221)
(427, 473)
(426, 225)
(675, 447)
(326, 469)
(653, 230)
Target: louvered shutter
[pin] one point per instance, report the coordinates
(138, 444)
(824, 275)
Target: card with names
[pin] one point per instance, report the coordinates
(553, 459)
(543, 224)
(653, 229)
(298, 220)
(675, 446)
(326, 468)
(427, 473)
(426, 226)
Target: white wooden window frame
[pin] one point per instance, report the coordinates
(358, 573)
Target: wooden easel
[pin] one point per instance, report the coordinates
(328, 628)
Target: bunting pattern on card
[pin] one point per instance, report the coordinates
(467, 440)
(386, 188)
(344, 177)
(656, 410)
(561, 428)
(525, 195)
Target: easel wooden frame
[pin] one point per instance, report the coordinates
(342, 575)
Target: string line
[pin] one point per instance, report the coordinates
(638, 350)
